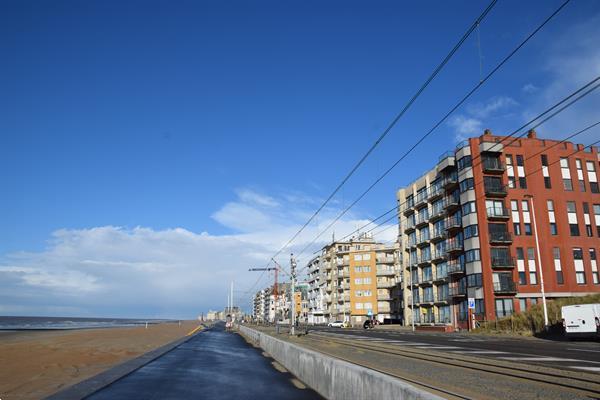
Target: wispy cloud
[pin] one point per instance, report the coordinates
(471, 123)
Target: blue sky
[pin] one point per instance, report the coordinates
(162, 148)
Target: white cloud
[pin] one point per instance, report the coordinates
(116, 271)
(571, 60)
(493, 105)
(529, 88)
(465, 127)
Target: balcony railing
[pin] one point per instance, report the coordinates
(450, 181)
(456, 268)
(498, 213)
(505, 287)
(438, 234)
(437, 213)
(428, 299)
(500, 237)
(453, 222)
(451, 202)
(422, 240)
(385, 271)
(495, 189)
(454, 246)
(438, 255)
(503, 262)
(435, 192)
(421, 199)
(424, 259)
(386, 284)
(492, 166)
(457, 291)
(422, 219)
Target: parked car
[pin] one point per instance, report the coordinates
(581, 320)
(336, 324)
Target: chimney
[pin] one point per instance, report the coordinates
(487, 132)
(531, 134)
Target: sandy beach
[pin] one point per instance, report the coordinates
(36, 364)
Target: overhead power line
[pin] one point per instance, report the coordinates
(444, 118)
(406, 107)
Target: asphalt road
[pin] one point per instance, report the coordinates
(212, 365)
(576, 355)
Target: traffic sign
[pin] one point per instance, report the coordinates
(471, 302)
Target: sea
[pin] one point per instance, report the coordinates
(57, 323)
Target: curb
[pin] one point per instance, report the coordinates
(97, 382)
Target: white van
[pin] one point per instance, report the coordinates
(581, 320)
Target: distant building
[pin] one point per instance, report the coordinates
(467, 229)
(354, 280)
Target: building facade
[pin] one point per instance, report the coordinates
(352, 281)
(490, 220)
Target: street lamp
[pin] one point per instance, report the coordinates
(537, 246)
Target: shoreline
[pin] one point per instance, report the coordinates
(37, 363)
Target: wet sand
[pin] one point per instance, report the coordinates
(34, 365)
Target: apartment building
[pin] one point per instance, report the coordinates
(352, 280)
(468, 229)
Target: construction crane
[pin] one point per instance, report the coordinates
(276, 268)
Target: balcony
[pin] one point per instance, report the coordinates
(500, 237)
(385, 272)
(451, 203)
(498, 214)
(427, 280)
(454, 246)
(442, 299)
(457, 291)
(437, 213)
(492, 166)
(503, 262)
(450, 181)
(408, 209)
(383, 284)
(438, 235)
(424, 259)
(427, 299)
(456, 268)
(435, 193)
(505, 287)
(422, 220)
(410, 226)
(423, 240)
(438, 256)
(382, 296)
(421, 199)
(453, 223)
(495, 189)
(441, 277)
(383, 308)
(386, 260)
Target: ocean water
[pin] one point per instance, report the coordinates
(52, 323)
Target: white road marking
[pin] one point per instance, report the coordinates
(467, 351)
(541, 359)
(584, 350)
(438, 347)
(593, 369)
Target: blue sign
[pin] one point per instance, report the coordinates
(472, 302)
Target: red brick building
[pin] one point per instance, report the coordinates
(469, 228)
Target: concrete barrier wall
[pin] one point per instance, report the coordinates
(333, 378)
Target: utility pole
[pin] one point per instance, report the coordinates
(293, 278)
(231, 294)
(537, 246)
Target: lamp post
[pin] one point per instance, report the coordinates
(537, 246)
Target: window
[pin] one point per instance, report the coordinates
(532, 267)
(521, 266)
(566, 174)
(359, 306)
(553, 229)
(358, 257)
(504, 308)
(572, 216)
(520, 160)
(517, 228)
(588, 226)
(579, 167)
(367, 281)
(578, 261)
(366, 257)
(472, 255)
(366, 268)
(464, 162)
(510, 171)
(592, 177)
(557, 267)
(595, 278)
(597, 217)
(358, 281)
(474, 280)
(466, 184)
(551, 217)
(522, 182)
(547, 182)
(522, 305)
(358, 268)
(470, 231)
(468, 208)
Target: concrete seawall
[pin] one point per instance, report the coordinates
(332, 378)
